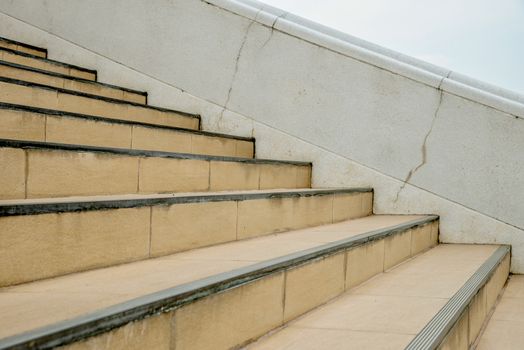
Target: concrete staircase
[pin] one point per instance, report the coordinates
(125, 226)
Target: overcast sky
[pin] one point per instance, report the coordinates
(480, 38)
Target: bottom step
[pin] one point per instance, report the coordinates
(208, 298)
(505, 329)
(435, 300)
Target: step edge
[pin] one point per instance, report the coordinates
(108, 204)
(69, 77)
(29, 46)
(98, 322)
(54, 112)
(51, 61)
(19, 144)
(435, 331)
(95, 97)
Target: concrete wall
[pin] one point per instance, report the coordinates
(428, 140)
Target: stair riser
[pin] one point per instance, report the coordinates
(22, 48)
(467, 328)
(70, 84)
(42, 173)
(27, 126)
(46, 245)
(45, 65)
(239, 315)
(51, 99)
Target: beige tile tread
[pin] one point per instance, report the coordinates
(19, 92)
(33, 305)
(27, 59)
(58, 80)
(52, 238)
(22, 47)
(505, 328)
(43, 125)
(42, 169)
(387, 311)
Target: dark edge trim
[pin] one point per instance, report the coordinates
(441, 324)
(41, 49)
(66, 206)
(96, 97)
(69, 77)
(43, 112)
(140, 153)
(102, 321)
(48, 60)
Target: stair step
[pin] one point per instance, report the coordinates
(504, 330)
(29, 60)
(209, 298)
(429, 302)
(57, 80)
(42, 96)
(36, 124)
(21, 47)
(49, 237)
(40, 169)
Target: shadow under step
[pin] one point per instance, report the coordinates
(436, 300)
(58, 80)
(51, 237)
(43, 125)
(41, 169)
(19, 92)
(210, 298)
(30, 60)
(22, 47)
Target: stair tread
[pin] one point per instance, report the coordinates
(48, 60)
(135, 152)
(54, 112)
(504, 329)
(7, 206)
(95, 97)
(387, 311)
(42, 51)
(68, 77)
(36, 304)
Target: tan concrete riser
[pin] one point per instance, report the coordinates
(47, 245)
(468, 327)
(28, 126)
(61, 101)
(70, 84)
(12, 57)
(44, 173)
(21, 48)
(240, 315)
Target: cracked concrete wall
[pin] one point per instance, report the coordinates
(426, 144)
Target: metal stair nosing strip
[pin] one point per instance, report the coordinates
(431, 336)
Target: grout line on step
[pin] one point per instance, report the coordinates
(150, 229)
(26, 171)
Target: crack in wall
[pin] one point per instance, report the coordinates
(235, 71)
(423, 148)
(283, 15)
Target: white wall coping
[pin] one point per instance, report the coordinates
(455, 83)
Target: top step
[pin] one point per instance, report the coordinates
(30, 60)
(21, 47)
